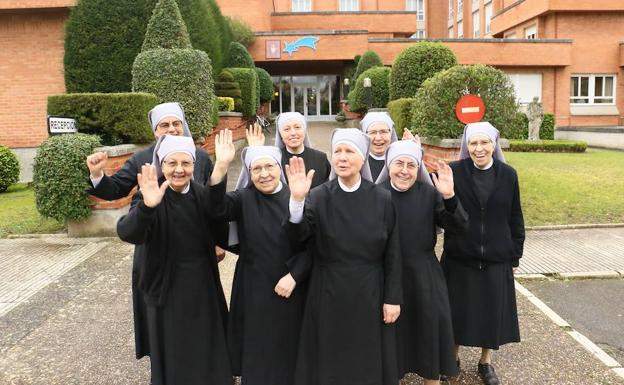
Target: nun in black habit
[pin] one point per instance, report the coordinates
(479, 263)
(267, 301)
(177, 272)
(354, 289)
(379, 127)
(424, 330)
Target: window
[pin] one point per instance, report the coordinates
(592, 89)
(475, 5)
(460, 29)
(349, 5)
(451, 33)
(527, 86)
(418, 6)
(530, 32)
(488, 17)
(302, 5)
(420, 34)
(451, 12)
(476, 24)
(460, 9)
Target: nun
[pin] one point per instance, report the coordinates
(479, 263)
(424, 330)
(165, 119)
(293, 140)
(354, 289)
(267, 301)
(380, 129)
(177, 272)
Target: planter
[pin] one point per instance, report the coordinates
(232, 120)
(446, 150)
(264, 109)
(348, 113)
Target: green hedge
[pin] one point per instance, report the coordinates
(9, 168)
(241, 31)
(225, 104)
(61, 176)
(547, 129)
(416, 64)
(433, 114)
(182, 75)
(379, 81)
(266, 86)
(115, 118)
(247, 78)
(547, 146)
(520, 129)
(226, 86)
(166, 28)
(238, 57)
(400, 111)
(368, 60)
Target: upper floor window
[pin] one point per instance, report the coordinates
(475, 5)
(460, 29)
(451, 12)
(420, 34)
(488, 17)
(349, 5)
(302, 5)
(460, 9)
(451, 33)
(592, 89)
(530, 32)
(476, 24)
(418, 6)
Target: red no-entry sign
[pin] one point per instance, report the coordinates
(470, 109)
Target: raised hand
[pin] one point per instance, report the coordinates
(285, 286)
(96, 163)
(298, 182)
(407, 135)
(444, 180)
(255, 135)
(148, 184)
(224, 147)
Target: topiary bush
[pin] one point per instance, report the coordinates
(547, 128)
(417, 63)
(247, 78)
(547, 146)
(369, 60)
(9, 168)
(166, 29)
(433, 113)
(379, 80)
(225, 86)
(225, 104)
(116, 118)
(238, 57)
(241, 31)
(400, 111)
(60, 178)
(266, 86)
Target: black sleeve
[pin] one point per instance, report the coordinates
(118, 185)
(135, 226)
(301, 234)
(299, 265)
(393, 287)
(224, 206)
(516, 223)
(450, 215)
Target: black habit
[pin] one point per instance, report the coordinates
(263, 330)
(119, 186)
(314, 160)
(376, 166)
(478, 264)
(179, 281)
(424, 329)
(354, 242)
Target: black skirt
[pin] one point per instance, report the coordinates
(483, 303)
(186, 334)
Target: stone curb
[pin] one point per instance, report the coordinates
(608, 274)
(576, 226)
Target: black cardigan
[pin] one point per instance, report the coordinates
(496, 231)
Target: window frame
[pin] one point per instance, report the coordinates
(350, 3)
(529, 28)
(591, 90)
(296, 6)
(476, 24)
(488, 21)
(460, 10)
(460, 29)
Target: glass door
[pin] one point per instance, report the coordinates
(312, 99)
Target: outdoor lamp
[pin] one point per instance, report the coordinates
(367, 82)
(346, 81)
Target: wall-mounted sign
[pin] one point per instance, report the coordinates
(470, 109)
(273, 49)
(306, 41)
(59, 125)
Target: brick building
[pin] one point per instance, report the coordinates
(569, 53)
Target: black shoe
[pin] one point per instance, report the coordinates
(487, 374)
(445, 378)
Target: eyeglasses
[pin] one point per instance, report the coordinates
(409, 165)
(258, 169)
(174, 164)
(473, 144)
(165, 125)
(373, 134)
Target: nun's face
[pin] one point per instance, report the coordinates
(265, 175)
(169, 125)
(346, 161)
(380, 136)
(178, 170)
(292, 133)
(481, 149)
(403, 172)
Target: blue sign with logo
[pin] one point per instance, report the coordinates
(306, 41)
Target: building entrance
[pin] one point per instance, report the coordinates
(316, 97)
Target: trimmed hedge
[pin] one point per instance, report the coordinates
(166, 29)
(368, 60)
(266, 86)
(547, 128)
(521, 127)
(238, 57)
(9, 168)
(182, 75)
(247, 78)
(433, 112)
(400, 111)
(416, 64)
(547, 146)
(60, 178)
(227, 87)
(241, 31)
(379, 80)
(225, 104)
(116, 118)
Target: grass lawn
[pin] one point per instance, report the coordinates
(18, 214)
(570, 188)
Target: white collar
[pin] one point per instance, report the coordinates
(350, 189)
(377, 157)
(396, 188)
(279, 188)
(487, 167)
(294, 153)
(186, 189)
